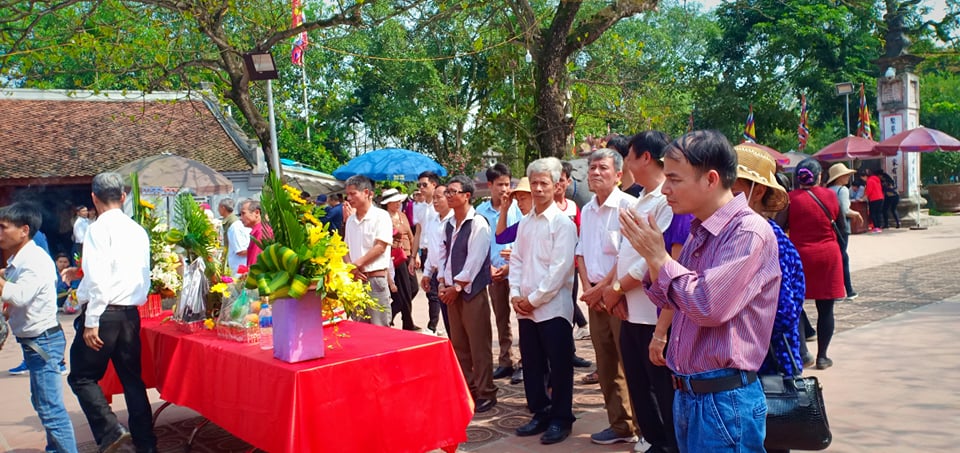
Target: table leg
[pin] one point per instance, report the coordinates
(156, 414)
(194, 433)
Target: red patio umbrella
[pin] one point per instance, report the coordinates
(849, 148)
(919, 140)
(777, 155)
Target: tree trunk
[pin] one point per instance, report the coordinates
(552, 125)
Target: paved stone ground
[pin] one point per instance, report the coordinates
(885, 290)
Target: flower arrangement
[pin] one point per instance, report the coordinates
(165, 277)
(304, 253)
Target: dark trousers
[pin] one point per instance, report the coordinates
(890, 206)
(650, 386)
(403, 299)
(436, 307)
(120, 333)
(876, 213)
(847, 283)
(545, 348)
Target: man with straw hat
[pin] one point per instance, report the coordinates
(839, 178)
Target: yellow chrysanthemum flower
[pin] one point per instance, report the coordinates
(220, 288)
(146, 204)
(208, 323)
(310, 218)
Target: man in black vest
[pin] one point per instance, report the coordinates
(464, 276)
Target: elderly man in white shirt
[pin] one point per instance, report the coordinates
(597, 254)
(368, 233)
(541, 285)
(116, 279)
(28, 285)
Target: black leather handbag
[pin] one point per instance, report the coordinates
(796, 416)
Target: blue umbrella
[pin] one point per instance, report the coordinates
(389, 164)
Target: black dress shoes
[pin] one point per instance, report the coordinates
(517, 376)
(502, 372)
(555, 433)
(483, 405)
(536, 426)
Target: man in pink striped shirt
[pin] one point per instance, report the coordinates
(724, 289)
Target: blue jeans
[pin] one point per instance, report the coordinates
(730, 421)
(46, 390)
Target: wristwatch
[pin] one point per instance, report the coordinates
(616, 287)
(457, 287)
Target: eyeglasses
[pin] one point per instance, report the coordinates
(451, 192)
(422, 184)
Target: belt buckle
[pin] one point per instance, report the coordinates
(678, 383)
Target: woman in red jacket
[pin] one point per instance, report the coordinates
(874, 194)
(812, 234)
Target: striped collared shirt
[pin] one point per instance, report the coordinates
(724, 287)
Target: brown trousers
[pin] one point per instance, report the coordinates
(500, 301)
(605, 336)
(472, 336)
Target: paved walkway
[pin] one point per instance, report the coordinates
(891, 388)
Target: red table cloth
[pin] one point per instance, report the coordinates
(377, 389)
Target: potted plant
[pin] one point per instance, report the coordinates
(941, 171)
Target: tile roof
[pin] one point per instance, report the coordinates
(49, 138)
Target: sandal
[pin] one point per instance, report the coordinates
(592, 378)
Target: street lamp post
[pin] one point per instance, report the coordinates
(844, 89)
(260, 66)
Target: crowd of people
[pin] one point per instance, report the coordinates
(692, 257)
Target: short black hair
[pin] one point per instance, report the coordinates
(20, 214)
(466, 184)
(653, 142)
(431, 176)
(60, 255)
(566, 168)
(707, 150)
(620, 144)
(497, 170)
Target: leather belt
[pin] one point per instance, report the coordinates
(379, 273)
(714, 385)
(120, 307)
(49, 331)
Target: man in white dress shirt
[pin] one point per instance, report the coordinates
(464, 276)
(368, 233)
(433, 232)
(116, 278)
(597, 254)
(238, 237)
(541, 286)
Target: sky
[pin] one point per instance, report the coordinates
(937, 11)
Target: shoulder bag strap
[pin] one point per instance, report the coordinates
(825, 210)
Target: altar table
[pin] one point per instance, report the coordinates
(378, 389)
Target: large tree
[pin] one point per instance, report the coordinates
(160, 44)
(571, 26)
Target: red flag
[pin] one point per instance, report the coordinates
(301, 41)
(803, 133)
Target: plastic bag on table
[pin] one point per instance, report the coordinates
(191, 308)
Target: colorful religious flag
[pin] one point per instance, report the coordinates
(863, 118)
(301, 41)
(803, 133)
(750, 130)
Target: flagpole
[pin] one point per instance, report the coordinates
(306, 105)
